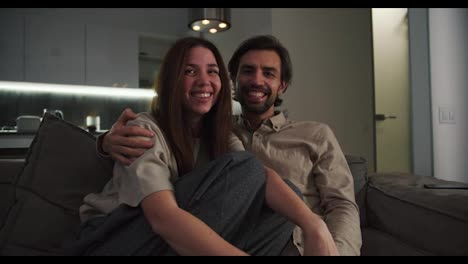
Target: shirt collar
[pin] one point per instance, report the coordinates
(275, 122)
(278, 120)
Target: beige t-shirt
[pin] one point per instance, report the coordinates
(154, 171)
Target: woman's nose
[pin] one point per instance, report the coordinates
(203, 79)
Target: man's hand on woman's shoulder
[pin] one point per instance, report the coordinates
(121, 142)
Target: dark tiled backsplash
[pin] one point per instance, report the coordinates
(74, 108)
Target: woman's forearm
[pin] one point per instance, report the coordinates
(185, 233)
(189, 236)
(283, 200)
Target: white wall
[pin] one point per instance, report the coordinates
(331, 51)
(448, 33)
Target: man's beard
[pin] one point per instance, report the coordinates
(255, 108)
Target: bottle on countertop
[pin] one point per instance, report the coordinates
(58, 113)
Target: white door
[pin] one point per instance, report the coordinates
(392, 104)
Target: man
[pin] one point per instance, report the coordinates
(306, 153)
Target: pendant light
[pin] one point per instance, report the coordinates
(211, 20)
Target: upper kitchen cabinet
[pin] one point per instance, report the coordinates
(54, 50)
(111, 57)
(47, 49)
(92, 46)
(152, 50)
(11, 47)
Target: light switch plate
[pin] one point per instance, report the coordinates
(446, 115)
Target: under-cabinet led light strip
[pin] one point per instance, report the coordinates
(83, 90)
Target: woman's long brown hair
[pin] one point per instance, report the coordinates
(168, 110)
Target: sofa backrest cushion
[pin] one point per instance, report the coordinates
(9, 169)
(358, 167)
(61, 168)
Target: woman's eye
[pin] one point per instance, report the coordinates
(190, 71)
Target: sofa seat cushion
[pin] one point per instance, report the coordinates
(60, 169)
(37, 227)
(378, 243)
(429, 219)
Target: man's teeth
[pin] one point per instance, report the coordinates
(256, 94)
(202, 95)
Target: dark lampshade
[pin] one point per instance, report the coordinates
(211, 20)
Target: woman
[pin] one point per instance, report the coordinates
(195, 192)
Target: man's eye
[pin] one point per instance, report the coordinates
(213, 72)
(269, 74)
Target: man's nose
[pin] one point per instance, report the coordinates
(258, 79)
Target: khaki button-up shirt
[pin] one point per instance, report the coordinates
(308, 154)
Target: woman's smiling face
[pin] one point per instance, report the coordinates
(201, 81)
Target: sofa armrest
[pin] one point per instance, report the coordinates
(432, 220)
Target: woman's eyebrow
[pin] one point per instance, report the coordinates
(196, 65)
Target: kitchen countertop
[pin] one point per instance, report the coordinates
(10, 139)
(16, 132)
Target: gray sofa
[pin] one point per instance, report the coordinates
(40, 196)
(399, 217)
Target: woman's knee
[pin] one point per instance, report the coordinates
(246, 168)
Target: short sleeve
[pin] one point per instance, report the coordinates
(152, 172)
